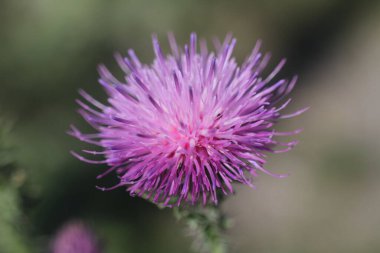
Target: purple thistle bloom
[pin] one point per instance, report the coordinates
(188, 125)
(75, 237)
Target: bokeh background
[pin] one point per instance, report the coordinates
(330, 203)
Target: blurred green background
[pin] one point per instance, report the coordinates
(331, 203)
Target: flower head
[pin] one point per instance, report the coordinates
(75, 237)
(188, 125)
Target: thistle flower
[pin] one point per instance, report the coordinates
(188, 125)
(75, 237)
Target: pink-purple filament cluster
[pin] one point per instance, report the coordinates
(188, 125)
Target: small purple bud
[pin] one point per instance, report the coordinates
(75, 237)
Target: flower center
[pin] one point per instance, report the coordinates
(187, 141)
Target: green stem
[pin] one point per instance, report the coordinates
(207, 224)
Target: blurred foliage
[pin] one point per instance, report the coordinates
(12, 233)
(11, 239)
